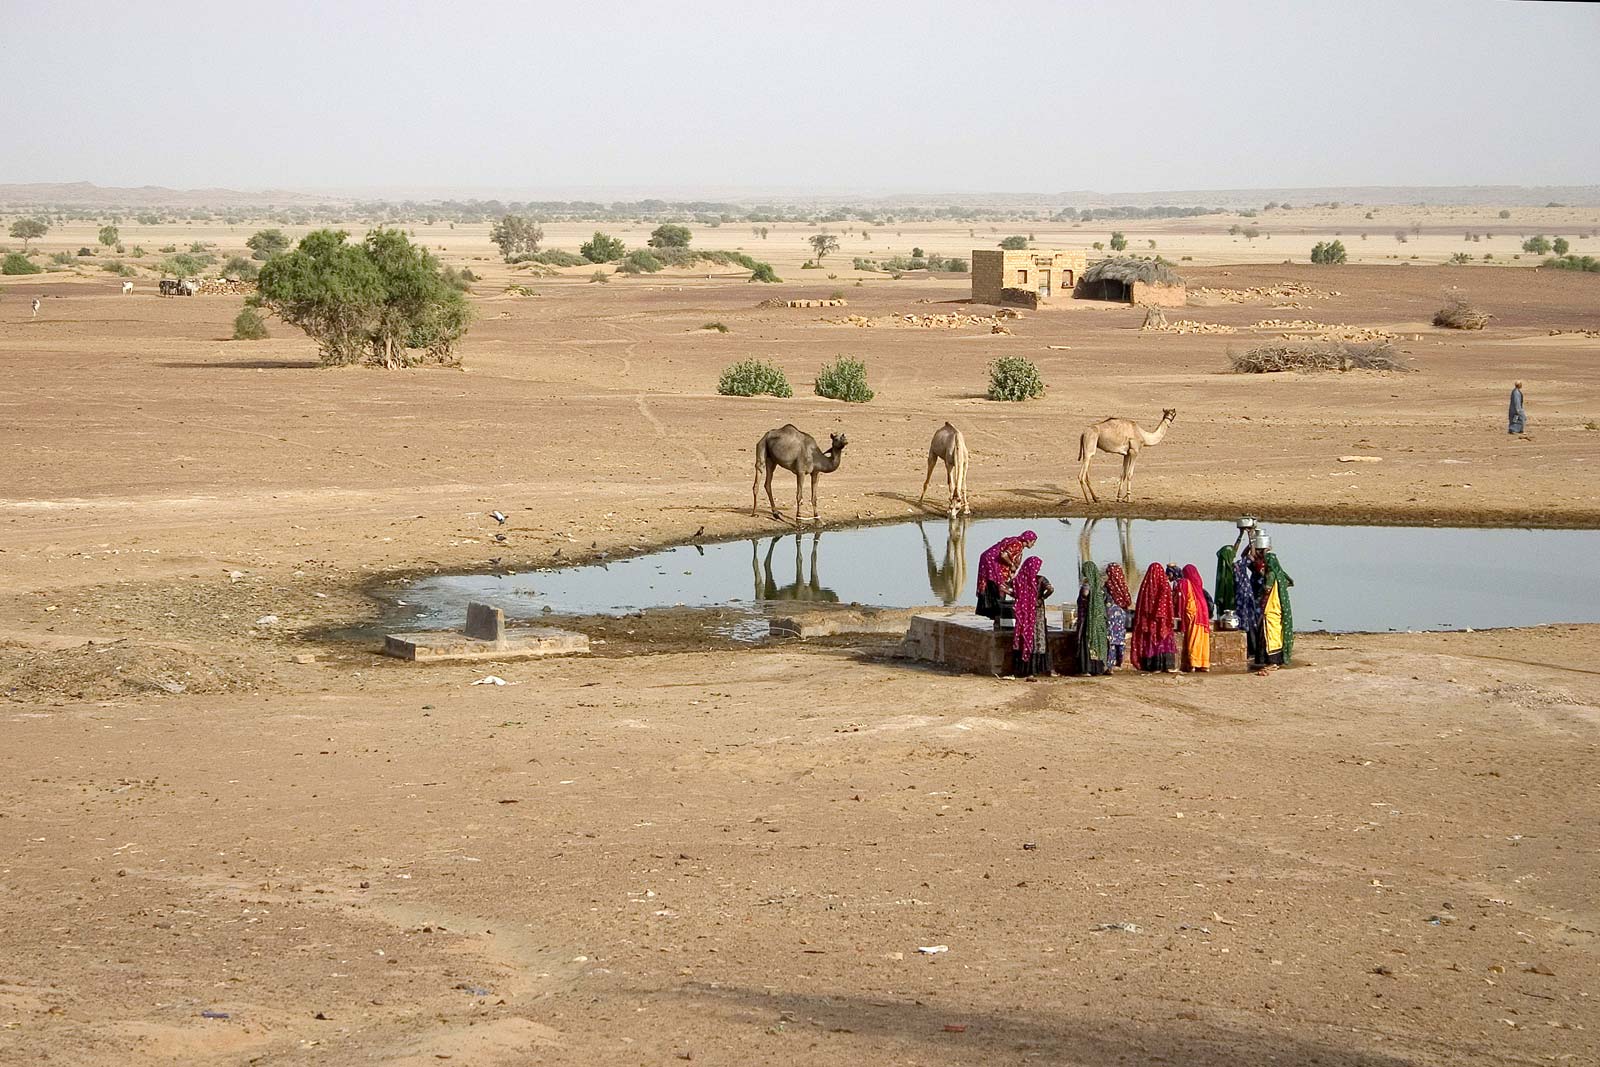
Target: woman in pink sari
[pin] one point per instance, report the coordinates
(996, 567)
(1030, 640)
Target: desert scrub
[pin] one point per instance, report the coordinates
(1014, 378)
(754, 377)
(844, 379)
(763, 272)
(248, 325)
(1459, 314)
(600, 276)
(17, 263)
(716, 327)
(639, 262)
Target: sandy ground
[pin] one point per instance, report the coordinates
(1384, 856)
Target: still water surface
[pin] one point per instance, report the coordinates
(1347, 578)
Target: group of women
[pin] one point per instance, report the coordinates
(1167, 629)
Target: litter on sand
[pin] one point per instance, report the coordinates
(209, 1014)
(933, 950)
(493, 679)
(1127, 928)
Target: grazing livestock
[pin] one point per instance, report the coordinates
(127, 287)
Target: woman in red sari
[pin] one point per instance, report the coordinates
(1153, 645)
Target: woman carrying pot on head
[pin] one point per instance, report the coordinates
(996, 568)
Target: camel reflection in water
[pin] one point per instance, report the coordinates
(1130, 565)
(948, 579)
(802, 588)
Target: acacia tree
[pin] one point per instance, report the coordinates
(517, 235)
(108, 235)
(26, 230)
(382, 301)
(823, 243)
(267, 243)
(670, 235)
(1119, 241)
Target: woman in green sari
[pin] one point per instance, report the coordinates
(1091, 622)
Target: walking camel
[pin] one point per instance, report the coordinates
(789, 448)
(950, 446)
(1120, 437)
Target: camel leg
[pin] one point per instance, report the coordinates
(773, 504)
(932, 459)
(799, 482)
(816, 516)
(1125, 487)
(1084, 484)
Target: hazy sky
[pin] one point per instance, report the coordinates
(865, 96)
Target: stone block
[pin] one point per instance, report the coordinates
(485, 623)
(443, 646)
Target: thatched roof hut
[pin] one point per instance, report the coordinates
(1118, 277)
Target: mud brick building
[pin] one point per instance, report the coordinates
(1028, 277)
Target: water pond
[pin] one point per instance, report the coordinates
(1347, 578)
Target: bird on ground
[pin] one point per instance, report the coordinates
(700, 532)
(498, 517)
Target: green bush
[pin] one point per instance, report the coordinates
(602, 248)
(1588, 264)
(138, 252)
(1118, 241)
(263, 245)
(640, 261)
(715, 327)
(1504, 213)
(1539, 245)
(239, 267)
(864, 264)
(1014, 378)
(182, 265)
(600, 276)
(1014, 243)
(1459, 258)
(753, 377)
(63, 259)
(764, 273)
(248, 325)
(1329, 252)
(1560, 246)
(552, 257)
(17, 263)
(120, 269)
(844, 379)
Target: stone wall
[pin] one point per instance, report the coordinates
(1168, 296)
(1026, 298)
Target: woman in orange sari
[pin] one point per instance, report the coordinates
(1196, 621)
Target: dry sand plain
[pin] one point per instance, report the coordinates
(663, 852)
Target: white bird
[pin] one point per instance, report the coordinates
(36, 305)
(497, 517)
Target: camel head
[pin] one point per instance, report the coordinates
(1169, 415)
(836, 442)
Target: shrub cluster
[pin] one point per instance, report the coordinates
(1014, 378)
(551, 257)
(248, 325)
(844, 379)
(1572, 261)
(17, 263)
(639, 261)
(754, 377)
(1328, 252)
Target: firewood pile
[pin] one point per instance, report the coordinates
(1276, 357)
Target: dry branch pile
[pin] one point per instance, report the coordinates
(1328, 355)
(1458, 314)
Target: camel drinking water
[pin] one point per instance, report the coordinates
(950, 446)
(1120, 437)
(789, 448)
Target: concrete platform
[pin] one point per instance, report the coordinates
(486, 637)
(969, 642)
(440, 646)
(838, 619)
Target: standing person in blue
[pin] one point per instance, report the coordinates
(1517, 417)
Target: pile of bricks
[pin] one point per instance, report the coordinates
(1281, 291)
(953, 321)
(225, 287)
(814, 303)
(1305, 329)
(1188, 326)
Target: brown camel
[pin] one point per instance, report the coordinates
(1120, 437)
(950, 446)
(795, 451)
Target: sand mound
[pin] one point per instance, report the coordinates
(116, 669)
